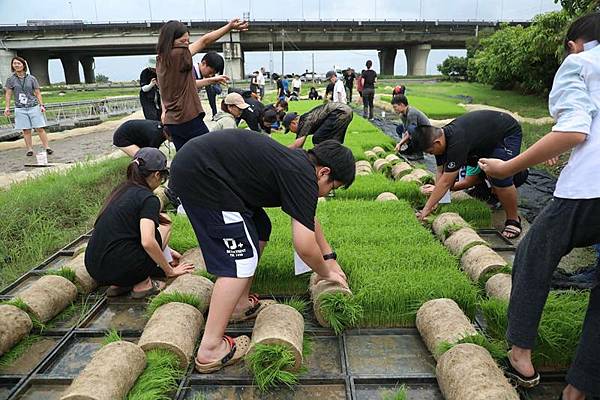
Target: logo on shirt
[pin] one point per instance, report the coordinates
(451, 165)
(232, 244)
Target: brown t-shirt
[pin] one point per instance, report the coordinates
(178, 87)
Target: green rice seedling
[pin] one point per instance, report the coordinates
(399, 393)
(8, 358)
(160, 377)
(450, 229)
(486, 276)
(205, 274)
(271, 366)
(183, 237)
(475, 212)
(340, 310)
(173, 297)
(65, 272)
(496, 348)
(297, 303)
(19, 303)
(111, 336)
(79, 308)
(559, 330)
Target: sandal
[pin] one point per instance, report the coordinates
(29, 153)
(238, 349)
(118, 291)
(512, 228)
(521, 380)
(154, 289)
(257, 306)
(49, 151)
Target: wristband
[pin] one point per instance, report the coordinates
(330, 256)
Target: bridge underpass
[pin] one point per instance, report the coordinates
(76, 44)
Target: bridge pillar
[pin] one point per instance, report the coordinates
(5, 57)
(88, 68)
(416, 59)
(70, 63)
(387, 57)
(234, 60)
(37, 62)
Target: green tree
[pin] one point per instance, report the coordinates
(101, 78)
(578, 7)
(454, 67)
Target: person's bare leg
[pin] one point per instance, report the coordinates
(225, 295)
(508, 199)
(146, 284)
(243, 303)
(43, 137)
(165, 233)
(130, 150)
(28, 139)
(572, 393)
(520, 359)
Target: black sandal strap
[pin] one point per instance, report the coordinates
(513, 222)
(229, 356)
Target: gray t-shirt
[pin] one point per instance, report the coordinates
(414, 116)
(24, 90)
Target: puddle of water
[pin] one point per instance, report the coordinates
(393, 355)
(23, 285)
(413, 391)
(120, 316)
(74, 358)
(31, 358)
(44, 392)
(242, 392)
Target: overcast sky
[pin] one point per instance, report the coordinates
(159, 10)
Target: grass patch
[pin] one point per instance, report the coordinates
(476, 213)
(399, 393)
(20, 304)
(496, 348)
(111, 336)
(52, 95)
(8, 358)
(486, 276)
(433, 107)
(174, 297)
(159, 378)
(340, 311)
(559, 330)
(65, 272)
(77, 309)
(39, 216)
(297, 303)
(368, 187)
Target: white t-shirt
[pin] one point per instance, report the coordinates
(260, 79)
(339, 92)
(296, 83)
(574, 104)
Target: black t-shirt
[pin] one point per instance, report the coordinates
(237, 170)
(145, 77)
(369, 77)
(329, 91)
(475, 135)
(116, 237)
(253, 114)
(141, 132)
(349, 79)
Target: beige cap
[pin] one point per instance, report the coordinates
(236, 99)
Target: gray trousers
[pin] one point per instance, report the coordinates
(563, 225)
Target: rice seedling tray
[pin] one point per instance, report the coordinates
(76, 244)
(496, 240)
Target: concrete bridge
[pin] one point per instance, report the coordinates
(76, 42)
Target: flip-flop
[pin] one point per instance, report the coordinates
(118, 291)
(521, 380)
(238, 349)
(154, 289)
(252, 312)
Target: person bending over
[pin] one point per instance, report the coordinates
(328, 121)
(463, 142)
(224, 193)
(134, 134)
(128, 247)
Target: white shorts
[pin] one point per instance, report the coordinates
(29, 117)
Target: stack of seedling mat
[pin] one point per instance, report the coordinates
(386, 196)
(401, 169)
(465, 370)
(333, 304)
(363, 167)
(418, 175)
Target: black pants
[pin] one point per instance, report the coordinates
(349, 94)
(368, 95)
(181, 133)
(563, 225)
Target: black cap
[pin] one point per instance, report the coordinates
(287, 120)
(151, 158)
(329, 74)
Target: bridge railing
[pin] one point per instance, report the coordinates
(71, 112)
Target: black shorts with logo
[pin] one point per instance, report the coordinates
(229, 239)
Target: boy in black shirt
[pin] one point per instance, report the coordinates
(224, 192)
(134, 134)
(463, 142)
